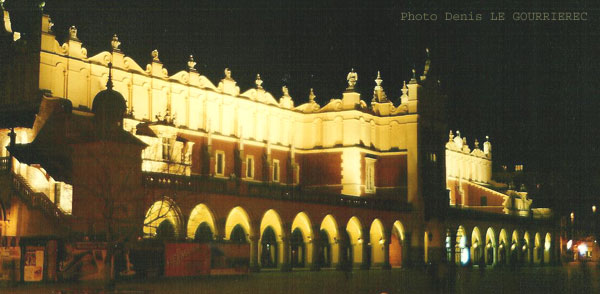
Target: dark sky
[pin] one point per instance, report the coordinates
(531, 86)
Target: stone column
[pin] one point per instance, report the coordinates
(284, 246)
(254, 266)
(386, 254)
(315, 266)
(366, 251)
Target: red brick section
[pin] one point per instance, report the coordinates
(390, 171)
(258, 153)
(283, 158)
(320, 169)
(473, 195)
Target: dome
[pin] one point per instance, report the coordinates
(109, 104)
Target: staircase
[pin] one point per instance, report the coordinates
(35, 200)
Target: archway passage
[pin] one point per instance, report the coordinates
(203, 233)
(238, 235)
(165, 231)
(547, 249)
(346, 250)
(269, 248)
(490, 247)
(395, 251)
(200, 215)
(476, 247)
(324, 253)
(298, 249)
(157, 214)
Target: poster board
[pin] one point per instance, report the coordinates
(10, 261)
(187, 259)
(33, 270)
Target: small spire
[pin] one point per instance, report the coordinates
(115, 43)
(155, 55)
(285, 91)
(227, 73)
(451, 136)
(258, 82)
(476, 144)
(191, 63)
(378, 80)
(311, 96)
(109, 83)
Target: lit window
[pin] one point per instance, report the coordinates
(370, 175)
(220, 163)
(275, 170)
(166, 148)
(250, 167)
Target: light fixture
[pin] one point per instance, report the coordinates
(569, 244)
(594, 208)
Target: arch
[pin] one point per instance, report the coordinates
(502, 247)
(527, 248)
(201, 214)
(269, 253)
(328, 252)
(238, 216)
(462, 251)
(476, 247)
(160, 211)
(377, 238)
(303, 253)
(271, 235)
(547, 249)
(515, 248)
(203, 233)
(396, 244)
(356, 238)
(298, 249)
(537, 248)
(490, 247)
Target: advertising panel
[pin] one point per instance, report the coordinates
(187, 259)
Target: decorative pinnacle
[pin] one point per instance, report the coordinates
(451, 136)
(285, 91)
(427, 51)
(476, 144)
(311, 96)
(258, 82)
(227, 74)
(155, 55)
(487, 138)
(73, 33)
(109, 83)
(378, 80)
(115, 43)
(191, 63)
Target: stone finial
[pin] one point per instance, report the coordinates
(73, 33)
(191, 63)
(487, 138)
(378, 92)
(50, 24)
(464, 140)
(155, 56)
(450, 136)
(413, 80)
(476, 144)
(378, 80)
(311, 96)
(285, 91)
(115, 43)
(352, 79)
(427, 64)
(258, 82)
(227, 72)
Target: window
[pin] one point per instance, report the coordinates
(166, 148)
(483, 201)
(220, 163)
(370, 175)
(250, 167)
(275, 170)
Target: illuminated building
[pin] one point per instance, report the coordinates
(305, 185)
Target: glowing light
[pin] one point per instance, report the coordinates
(448, 242)
(547, 246)
(583, 249)
(463, 242)
(569, 244)
(572, 216)
(475, 245)
(593, 208)
(465, 256)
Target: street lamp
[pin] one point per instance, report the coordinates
(594, 208)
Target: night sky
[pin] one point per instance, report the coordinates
(531, 86)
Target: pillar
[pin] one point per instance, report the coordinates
(386, 254)
(254, 266)
(285, 248)
(366, 251)
(315, 266)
